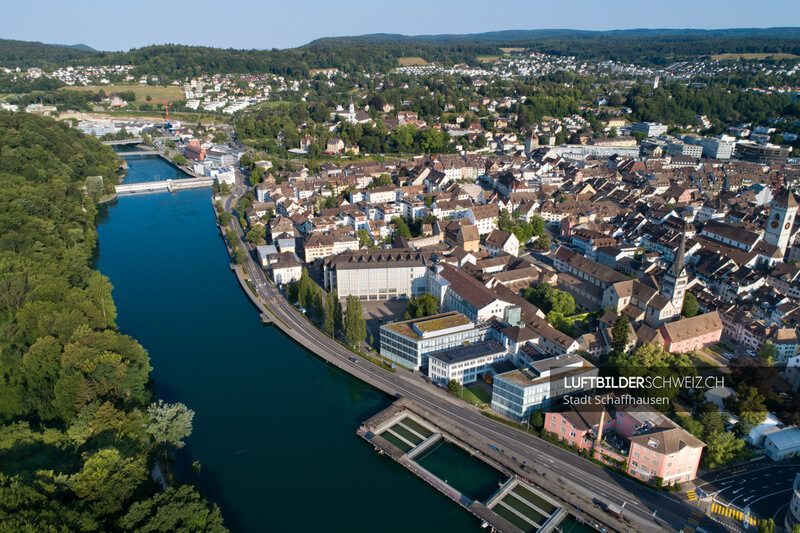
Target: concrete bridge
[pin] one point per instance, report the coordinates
(164, 186)
(138, 152)
(124, 141)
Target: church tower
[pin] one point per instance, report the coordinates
(673, 286)
(781, 220)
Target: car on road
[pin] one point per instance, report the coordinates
(353, 360)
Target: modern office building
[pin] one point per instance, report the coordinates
(764, 154)
(378, 274)
(465, 363)
(411, 342)
(713, 147)
(651, 129)
(539, 385)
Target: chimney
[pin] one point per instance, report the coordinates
(602, 421)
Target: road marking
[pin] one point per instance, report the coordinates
(773, 494)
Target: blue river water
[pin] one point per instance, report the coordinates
(274, 428)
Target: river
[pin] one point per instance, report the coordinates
(275, 426)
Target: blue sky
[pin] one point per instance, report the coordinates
(281, 24)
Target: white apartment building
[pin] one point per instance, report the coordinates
(484, 217)
(381, 195)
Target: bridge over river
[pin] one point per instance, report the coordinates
(167, 185)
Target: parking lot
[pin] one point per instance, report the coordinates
(382, 312)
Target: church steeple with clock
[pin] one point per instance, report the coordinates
(781, 220)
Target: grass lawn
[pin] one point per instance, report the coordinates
(705, 358)
(476, 394)
(412, 62)
(158, 93)
(720, 347)
(722, 57)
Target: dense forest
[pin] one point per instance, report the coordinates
(74, 392)
(26, 54)
(376, 53)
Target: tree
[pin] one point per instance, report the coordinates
(504, 222)
(256, 234)
(338, 317)
(94, 186)
(537, 419)
(233, 238)
(690, 305)
(454, 387)
(239, 256)
(319, 305)
(330, 311)
(561, 302)
(651, 360)
(425, 305)
(108, 480)
(179, 160)
(169, 424)
(748, 405)
(767, 526)
(558, 321)
(722, 447)
(710, 419)
(755, 372)
(768, 352)
(402, 228)
(355, 327)
(541, 243)
(224, 218)
(382, 181)
(691, 425)
(180, 509)
(619, 334)
(305, 290)
(364, 238)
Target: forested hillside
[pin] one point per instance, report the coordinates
(26, 54)
(379, 52)
(74, 455)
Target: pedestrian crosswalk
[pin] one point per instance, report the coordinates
(691, 494)
(694, 521)
(730, 513)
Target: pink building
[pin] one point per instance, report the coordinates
(692, 333)
(659, 448)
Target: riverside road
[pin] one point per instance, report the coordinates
(648, 509)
